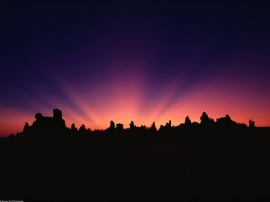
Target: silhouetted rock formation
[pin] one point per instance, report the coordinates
(251, 123)
(132, 125)
(120, 126)
(133, 160)
(205, 120)
(226, 121)
(55, 127)
(26, 128)
(153, 127)
(187, 121)
(46, 126)
(112, 125)
(73, 129)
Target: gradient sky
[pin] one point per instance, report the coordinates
(123, 61)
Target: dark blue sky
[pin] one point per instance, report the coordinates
(146, 61)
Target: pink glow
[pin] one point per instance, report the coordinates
(120, 100)
(14, 120)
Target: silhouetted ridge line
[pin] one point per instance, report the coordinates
(55, 127)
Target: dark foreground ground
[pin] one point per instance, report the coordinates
(217, 168)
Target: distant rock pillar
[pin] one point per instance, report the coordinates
(57, 114)
(38, 117)
(251, 123)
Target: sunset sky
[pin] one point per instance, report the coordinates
(132, 60)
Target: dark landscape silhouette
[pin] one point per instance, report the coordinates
(156, 100)
(210, 160)
(55, 127)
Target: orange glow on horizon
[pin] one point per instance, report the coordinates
(122, 102)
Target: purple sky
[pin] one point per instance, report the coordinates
(123, 61)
